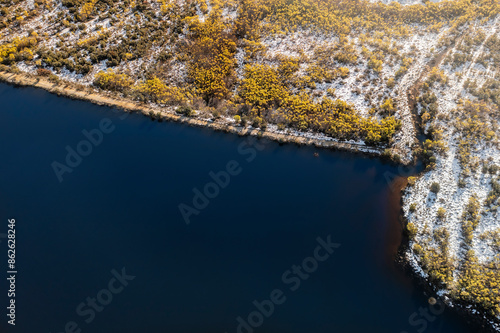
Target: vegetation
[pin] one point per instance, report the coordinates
(211, 57)
(470, 219)
(110, 80)
(198, 60)
(478, 284)
(441, 213)
(436, 262)
(228, 59)
(493, 199)
(18, 50)
(411, 230)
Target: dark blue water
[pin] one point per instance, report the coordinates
(120, 209)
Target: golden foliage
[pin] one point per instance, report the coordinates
(480, 284)
(475, 124)
(335, 118)
(112, 81)
(86, 10)
(437, 75)
(211, 57)
(470, 219)
(435, 261)
(262, 86)
(17, 50)
(341, 17)
(411, 230)
(158, 92)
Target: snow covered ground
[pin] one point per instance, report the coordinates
(448, 171)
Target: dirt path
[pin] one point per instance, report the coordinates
(456, 89)
(414, 90)
(407, 136)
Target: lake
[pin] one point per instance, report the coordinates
(278, 239)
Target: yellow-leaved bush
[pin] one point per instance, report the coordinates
(264, 88)
(480, 284)
(17, 50)
(157, 91)
(112, 81)
(211, 56)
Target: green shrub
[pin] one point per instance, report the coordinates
(244, 121)
(185, 110)
(435, 187)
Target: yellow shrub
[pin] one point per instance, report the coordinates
(262, 86)
(480, 284)
(112, 81)
(211, 57)
(159, 92)
(19, 49)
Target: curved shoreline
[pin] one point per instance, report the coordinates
(67, 89)
(478, 320)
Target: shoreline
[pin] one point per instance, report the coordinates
(481, 322)
(67, 89)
